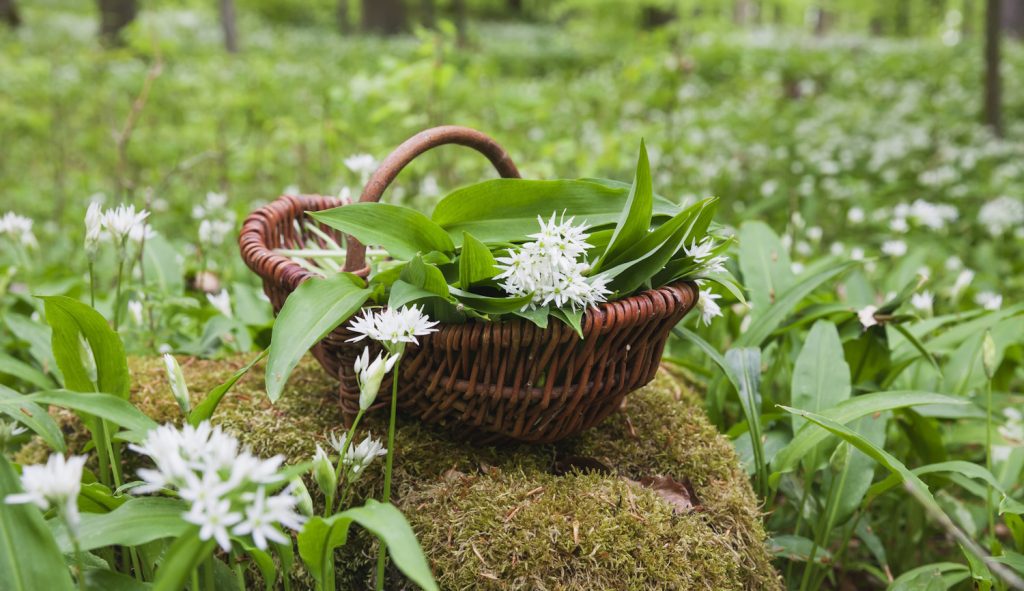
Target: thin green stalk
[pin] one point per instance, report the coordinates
(239, 572)
(99, 443)
(381, 552)
(821, 540)
(92, 283)
(195, 579)
(115, 468)
(799, 523)
(78, 558)
(117, 298)
(136, 566)
(988, 461)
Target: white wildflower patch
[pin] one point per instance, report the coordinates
(53, 485)
(227, 488)
(392, 328)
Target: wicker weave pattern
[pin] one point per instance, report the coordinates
(493, 382)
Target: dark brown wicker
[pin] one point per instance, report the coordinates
(492, 381)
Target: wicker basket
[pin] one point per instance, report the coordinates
(493, 382)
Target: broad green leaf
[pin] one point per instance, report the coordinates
(181, 558)
(101, 579)
(24, 372)
(314, 309)
(138, 521)
(505, 210)
(105, 406)
(809, 437)
(765, 266)
(745, 366)
(855, 469)
(38, 337)
(639, 263)
(321, 536)
(204, 410)
(797, 548)
(425, 276)
(538, 316)
(1014, 560)
(401, 231)
(32, 416)
(491, 305)
(72, 320)
(710, 351)
(162, 267)
(476, 263)
(763, 326)
(265, 562)
(573, 318)
(958, 469)
(930, 577)
(404, 293)
(635, 219)
(821, 377)
(29, 557)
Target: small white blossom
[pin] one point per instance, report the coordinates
(121, 221)
(264, 513)
(221, 301)
(923, 301)
(55, 484)
(709, 308)
(214, 232)
(135, 309)
(989, 300)
(362, 455)
(855, 215)
(19, 228)
(866, 315)
(964, 279)
(8, 431)
(1001, 214)
(214, 518)
(392, 328)
(895, 248)
(361, 164)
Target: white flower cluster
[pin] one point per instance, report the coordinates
(550, 269)
(392, 328)
(709, 308)
(359, 457)
(361, 164)
(702, 254)
(19, 228)
(54, 484)
(216, 222)
(121, 224)
(226, 486)
(1002, 214)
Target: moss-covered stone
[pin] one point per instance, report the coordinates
(523, 517)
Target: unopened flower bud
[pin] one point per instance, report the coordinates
(177, 381)
(323, 472)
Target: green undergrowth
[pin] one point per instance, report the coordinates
(566, 516)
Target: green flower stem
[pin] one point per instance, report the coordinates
(117, 298)
(92, 283)
(78, 557)
(381, 552)
(115, 468)
(988, 464)
(239, 572)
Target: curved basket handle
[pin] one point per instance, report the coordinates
(410, 149)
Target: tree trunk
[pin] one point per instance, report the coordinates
(462, 36)
(993, 82)
(1013, 18)
(427, 14)
(344, 17)
(228, 23)
(386, 17)
(115, 15)
(9, 13)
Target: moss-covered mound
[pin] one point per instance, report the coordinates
(568, 516)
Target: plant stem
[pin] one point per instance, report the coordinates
(117, 298)
(381, 552)
(239, 573)
(195, 579)
(115, 468)
(78, 557)
(92, 283)
(208, 582)
(988, 460)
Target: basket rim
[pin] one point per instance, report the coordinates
(258, 255)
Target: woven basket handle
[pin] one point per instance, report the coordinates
(413, 147)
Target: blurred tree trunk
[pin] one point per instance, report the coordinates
(459, 8)
(993, 83)
(344, 20)
(386, 17)
(823, 21)
(9, 13)
(1013, 18)
(428, 16)
(741, 12)
(228, 23)
(115, 15)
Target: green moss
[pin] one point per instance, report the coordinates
(501, 518)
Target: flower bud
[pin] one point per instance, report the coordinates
(304, 502)
(370, 375)
(177, 381)
(323, 472)
(989, 356)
